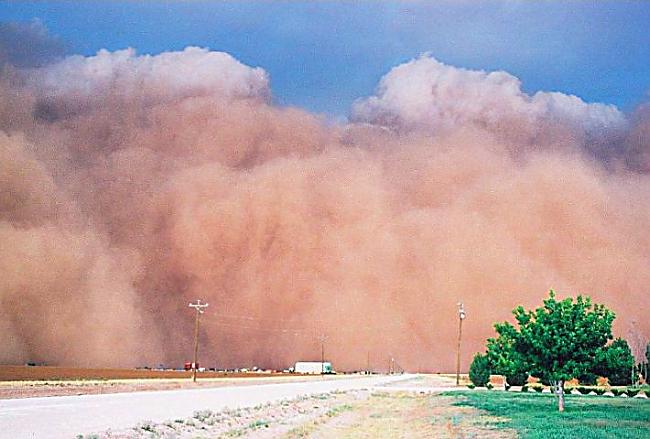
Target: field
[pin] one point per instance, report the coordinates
(36, 381)
(33, 373)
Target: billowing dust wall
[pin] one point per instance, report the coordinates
(133, 184)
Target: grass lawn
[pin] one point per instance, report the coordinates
(536, 416)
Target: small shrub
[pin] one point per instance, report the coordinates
(489, 386)
(334, 411)
(632, 392)
(599, 391)
(517, 379)
(202, 415)
(471, 386)
(584, 390)
(258, 424)
(617, 392)
(148, 426)
(479, 370)
(615, 362)
(524, 388)
(538, 389)
(588, 379)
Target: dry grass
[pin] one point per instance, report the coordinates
(403, 415)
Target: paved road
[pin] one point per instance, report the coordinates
(67, 416)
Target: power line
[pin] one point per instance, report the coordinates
(257, 328)
(355, 328)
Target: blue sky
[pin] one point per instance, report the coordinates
(324, 55)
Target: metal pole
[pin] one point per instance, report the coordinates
(461, 317)
(196, 346)
(199, 307)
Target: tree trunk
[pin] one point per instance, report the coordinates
(560, 394)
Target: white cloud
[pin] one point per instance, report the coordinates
(191, 72)
(425, 94)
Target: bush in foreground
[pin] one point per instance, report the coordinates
(615, 361)
(479, 370)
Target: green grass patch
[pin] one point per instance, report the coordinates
(335, 411)
(535, 416)
(258, 423)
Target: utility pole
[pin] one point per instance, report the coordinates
(461, 317)
(199, 307)
(322, 340)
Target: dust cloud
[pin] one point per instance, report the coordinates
(132, 184)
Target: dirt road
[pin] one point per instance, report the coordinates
(67, 416)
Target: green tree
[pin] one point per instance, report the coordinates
(479, 370)
(503, 358)
(615, 361)
(559, 340)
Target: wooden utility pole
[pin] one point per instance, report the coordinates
(461, 317)
(199, 307)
